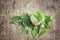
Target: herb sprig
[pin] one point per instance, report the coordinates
(37, 22)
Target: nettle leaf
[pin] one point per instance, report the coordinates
(34, 33)
(25, 31)
(11, 22)
(26, 20)
(42, 31)
(15, 19)
(22, 25)
(48, 20)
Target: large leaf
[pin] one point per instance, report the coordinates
(37, 18)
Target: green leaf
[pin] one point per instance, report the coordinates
(26, 20)
(37, 18)
(11, 22)
(42, 31)
(22, 25)
(26, 31)
(34, 32)
(48, 20)
(15, 19)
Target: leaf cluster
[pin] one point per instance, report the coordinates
(25, 20)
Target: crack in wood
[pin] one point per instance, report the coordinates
(51, 7)
(55, 0)
(13, 4)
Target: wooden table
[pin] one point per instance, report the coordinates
(10, 8)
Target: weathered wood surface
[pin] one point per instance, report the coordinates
(9, 8)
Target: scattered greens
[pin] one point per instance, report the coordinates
(37, 22)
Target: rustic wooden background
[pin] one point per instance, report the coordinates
(9, 8)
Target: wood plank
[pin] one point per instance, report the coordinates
(9, 8)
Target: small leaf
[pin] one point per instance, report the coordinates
(22, 25)
(26, 31)
(34, 33)
(48, 20)
(15, 19)
(42, 31)
(11, 22)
